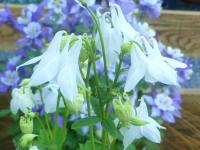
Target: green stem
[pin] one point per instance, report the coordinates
(42, 125)
(88, 104)
(102, 43)
(105, 64)
(57, 113)
(46, 116)
(104, 135)
(98, 92)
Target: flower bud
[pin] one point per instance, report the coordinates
(124, 110)
(26, 139)
(25, 83)
(85, 50)
(31, 115)
(65, 38)
(138, 121)
(26, 125)
(76, 105)
(126, 47)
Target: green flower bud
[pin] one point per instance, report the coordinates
(31, 115)
(25, 83)
(26, 139)
(76, 105)
(26, 125)
(126, 47)
(65, 38)
(138, 121)
(83, 2)
(124, 110)
(86, 48)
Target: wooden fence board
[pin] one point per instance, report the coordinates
(179, 29)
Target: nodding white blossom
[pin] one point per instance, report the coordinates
(112, 39)
(50, 96)
(149, 130)
(150, 64)
(119, 21)
(59, 65)
(22, 99)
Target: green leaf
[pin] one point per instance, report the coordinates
(4, 112)
(13, 129)
(89, 121)
(95, 105)
(151, 146)
(88, 146)
(131, 147)
(109, 126)
(60, 137)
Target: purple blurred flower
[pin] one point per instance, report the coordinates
(9, 79)
(27, 14)
(143, 28)
(164, 106)
(32, 30)
(150, 8)
(60, 122)
(13, 62)
(6, 16)
(126, 5)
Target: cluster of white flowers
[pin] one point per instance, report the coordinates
(59, 69)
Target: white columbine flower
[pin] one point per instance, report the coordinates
(112, 39)
(50, 96)
(119, 21)
(149, 130)
(59, 66)
(22, 99)
(150, 64)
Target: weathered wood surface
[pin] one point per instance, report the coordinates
(179, 29)
(8, 36)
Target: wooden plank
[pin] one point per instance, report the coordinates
(8, 36)
(179, 29)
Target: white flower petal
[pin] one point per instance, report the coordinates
(45, 71)
(151, 133)
(135, 74)
(14, 106)
(161, 72)
(137, 70)
(174, 63)
(142, 110)
(130, 134)
(32, 61)
(67, 82)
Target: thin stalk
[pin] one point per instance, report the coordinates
(102, 43)
(46, 116)
(88, 104)
(97, 89)
(65, 116)
(113, 86)
(57, 113)
(42, 125)
(104, 60)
